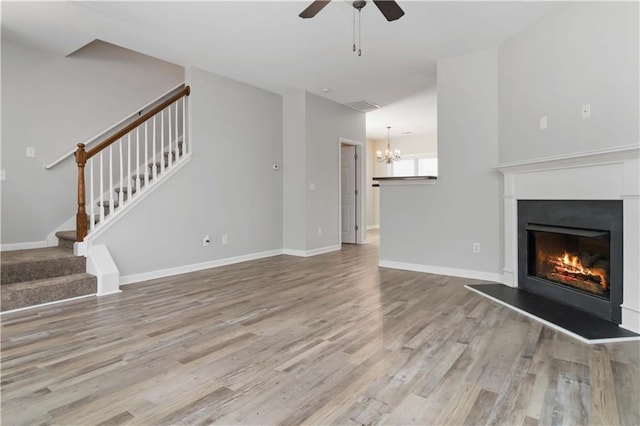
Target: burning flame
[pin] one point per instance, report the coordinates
(573, 264)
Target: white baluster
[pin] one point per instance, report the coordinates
(129, 166)
(170, 157)
(155, 165)
(176, 132)
(101, 189)
(146, 152)
(184, 125)
(138, 160)
(111, 206)
(91, 199)
(162, 141)
(120, 193)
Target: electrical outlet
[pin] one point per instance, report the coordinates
(319, 231)
(476, 247)
(206, 240)
(225, 240)
(31, 152)
(312, 186)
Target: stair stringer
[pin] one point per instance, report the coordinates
(83, 248)
(101, 264)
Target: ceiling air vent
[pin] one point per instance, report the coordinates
(363, 106)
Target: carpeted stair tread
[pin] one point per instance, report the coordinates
(35, 264)
(36, 292)
(35, 254)
(125, 190)
(67, 235)
(107, 203)
(66, 239)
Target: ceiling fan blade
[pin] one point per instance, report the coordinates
(313, 9)
(389, 9)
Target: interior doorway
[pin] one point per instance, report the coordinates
(351, 196)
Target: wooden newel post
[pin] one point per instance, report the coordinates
(81, 216)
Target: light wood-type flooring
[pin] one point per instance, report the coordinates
(331, 339)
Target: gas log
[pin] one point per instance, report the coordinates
(581, 281)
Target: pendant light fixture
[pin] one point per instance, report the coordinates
(389, 155)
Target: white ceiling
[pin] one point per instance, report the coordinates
(267, 45)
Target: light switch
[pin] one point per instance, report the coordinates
(3, 175)
(543, 122)
(31, 152)
(312, 186)
(586, 111)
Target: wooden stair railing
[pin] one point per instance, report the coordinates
(82, 157)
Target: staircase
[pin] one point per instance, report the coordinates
(139, 152)
(37, 276)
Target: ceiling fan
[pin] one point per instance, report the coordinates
(389, 8)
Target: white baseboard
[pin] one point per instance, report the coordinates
(161, 273)
(24, 246)
(323, 250)
(630, 318)
(440, 270)
(509, 278)
(370, 227)
(293, 252)
(314, 252)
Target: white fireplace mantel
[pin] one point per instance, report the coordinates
(612, 174)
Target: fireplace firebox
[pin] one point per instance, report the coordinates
(571, 252)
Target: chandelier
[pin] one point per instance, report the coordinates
(389, 156)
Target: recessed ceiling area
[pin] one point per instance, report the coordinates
(266, 44)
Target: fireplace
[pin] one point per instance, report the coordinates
(571, 252)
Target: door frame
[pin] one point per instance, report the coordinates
(361, 218)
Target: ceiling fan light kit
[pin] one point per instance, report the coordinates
(388, 8)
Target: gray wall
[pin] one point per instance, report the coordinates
(326, 123)
(228, 188)
(294, 171)
(52, 103)
(313, 127)
(582, 53)
(436, 225)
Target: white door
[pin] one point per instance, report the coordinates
(348, 193)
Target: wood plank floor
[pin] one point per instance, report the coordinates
(330, 339)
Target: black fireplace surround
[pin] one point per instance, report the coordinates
(589, 231)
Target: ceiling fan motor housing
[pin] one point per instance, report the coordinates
(359, 4)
